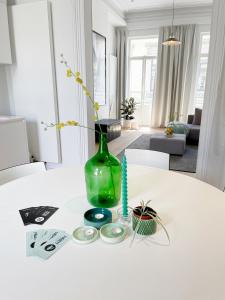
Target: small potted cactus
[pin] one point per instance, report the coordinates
(145, 220)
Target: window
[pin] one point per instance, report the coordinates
(202, 69)
(142, 73)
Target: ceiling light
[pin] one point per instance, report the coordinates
(172, 40)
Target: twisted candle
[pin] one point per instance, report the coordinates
(124, 187)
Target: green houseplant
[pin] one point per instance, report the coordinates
(127, 111)
(145, 220)
(103, 170)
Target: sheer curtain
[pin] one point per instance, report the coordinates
(211, 153)
(176, 69)
(121, 53)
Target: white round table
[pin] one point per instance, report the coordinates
(191, 268)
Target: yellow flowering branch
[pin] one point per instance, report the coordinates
(68, 123)
(78, 79)
(95, 104)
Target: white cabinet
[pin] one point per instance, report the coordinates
(13, 142)
(5, 51)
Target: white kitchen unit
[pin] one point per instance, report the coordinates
(5, 51)
(13, 142)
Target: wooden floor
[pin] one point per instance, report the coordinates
(127, 137)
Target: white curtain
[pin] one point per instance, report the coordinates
(176, 69)
(121, 53)
(211, 154)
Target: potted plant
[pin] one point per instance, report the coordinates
(145, 220)
(127, 112)
(169, 131)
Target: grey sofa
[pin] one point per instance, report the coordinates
(194, 131)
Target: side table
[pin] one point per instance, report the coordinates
(111, 127)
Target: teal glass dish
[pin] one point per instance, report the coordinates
(97, 217)
(103, 177)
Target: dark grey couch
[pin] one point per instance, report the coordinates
(194, 131)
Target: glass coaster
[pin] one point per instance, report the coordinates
(85, 234)
(113, 233)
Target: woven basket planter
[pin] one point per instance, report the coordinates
(143, 224)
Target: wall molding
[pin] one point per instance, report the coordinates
(87, 111)
(145, 20)
(77, 143)
(116, 7)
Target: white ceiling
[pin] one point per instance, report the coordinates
(128, 5)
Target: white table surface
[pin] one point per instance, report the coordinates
(191, 268)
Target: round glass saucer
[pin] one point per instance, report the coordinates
(113, 233)
(85, 234)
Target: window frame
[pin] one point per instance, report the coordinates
(200, 55)
(144, 59)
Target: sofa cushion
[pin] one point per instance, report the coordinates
(197, 117)
(175, 144)
(190, 119)
(193, 135)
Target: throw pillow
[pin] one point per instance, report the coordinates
(179, 127)
(197, 117)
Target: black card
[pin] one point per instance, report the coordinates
(42, 214)
(37, 215)
(27, 213)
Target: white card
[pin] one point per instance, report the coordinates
(55, 242)
(31, 238)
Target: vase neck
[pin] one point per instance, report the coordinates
(103, 147)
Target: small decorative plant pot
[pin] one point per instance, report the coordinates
(143, 224)
(169, 135)
(127, 124)
(169, 131)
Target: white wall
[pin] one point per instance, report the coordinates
(5, 49)
(4, 97)
(105, 21)
(71, 26)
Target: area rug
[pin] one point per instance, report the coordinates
(185, 163)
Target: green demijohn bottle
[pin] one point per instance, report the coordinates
(103, 177)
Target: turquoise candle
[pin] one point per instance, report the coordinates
(124, 187)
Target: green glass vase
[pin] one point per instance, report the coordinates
(103, 177)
